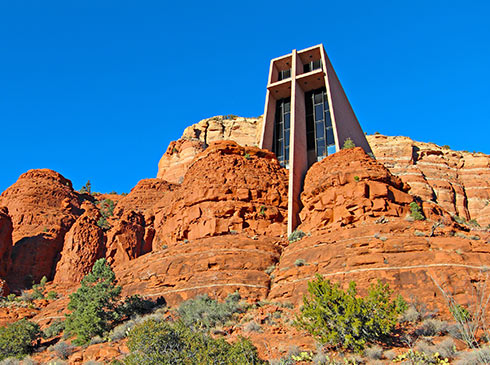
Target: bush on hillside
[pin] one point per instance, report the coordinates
(348, 143)
(93, 305)
(54, 329)
(416, 212)
(159, 342)
(206, 313)
(17, 339)
(344, 319)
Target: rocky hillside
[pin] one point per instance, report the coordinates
(214, 222)
(459, 181)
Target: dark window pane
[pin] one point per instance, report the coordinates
(316, 64)
(320, 147)
(328, 121)
(306, 68)
(310, 141)
(319, 112)
(287, 107)
(286, 154)
(330, 138)
(310, 125)
(287, 117)
(286, 138)
(308, 103)
(320, 130)
(318, 98)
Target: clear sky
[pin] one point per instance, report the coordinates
(96, 89)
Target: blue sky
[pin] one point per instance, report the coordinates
(97, 89)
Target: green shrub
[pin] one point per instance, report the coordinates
(87, 188)
(296, 236)
(158, 342)
(52, 295)
(299, 262)
(341, 318)
(54, 329)
(348, 143)
(16, 340)
(416, 212)
(93, 304)
(106, 208)
(206, 313)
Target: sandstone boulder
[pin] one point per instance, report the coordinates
(126, 240)
(43, 206)
(84, 244)
(228, 188)
(347, 187)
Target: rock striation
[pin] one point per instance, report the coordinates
(458, 181)
(217, 266)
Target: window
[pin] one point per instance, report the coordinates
(319, 131)
(284, 74)
(313, 65)
(282, 131)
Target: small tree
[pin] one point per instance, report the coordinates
(16, 340)
(348, 143)
(341, 318)
(87, 188)
(93, 304)
(416, 212)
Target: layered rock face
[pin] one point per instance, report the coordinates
(43, 206)
(355, 212)
(83, 245)
(217, 266)
(227, 188)
(174, 163)
(457, 181)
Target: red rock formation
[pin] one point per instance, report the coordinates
(355, 213)
(142, 199)
(217, 266)
(83, 245)
(457, 181)
(125, 241)
(347, 187)
(174, 163)
(5, 244)
(143, 196)
(227, 188)
(43, 206)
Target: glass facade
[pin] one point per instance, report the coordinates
(282, 127)
(319, 131)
